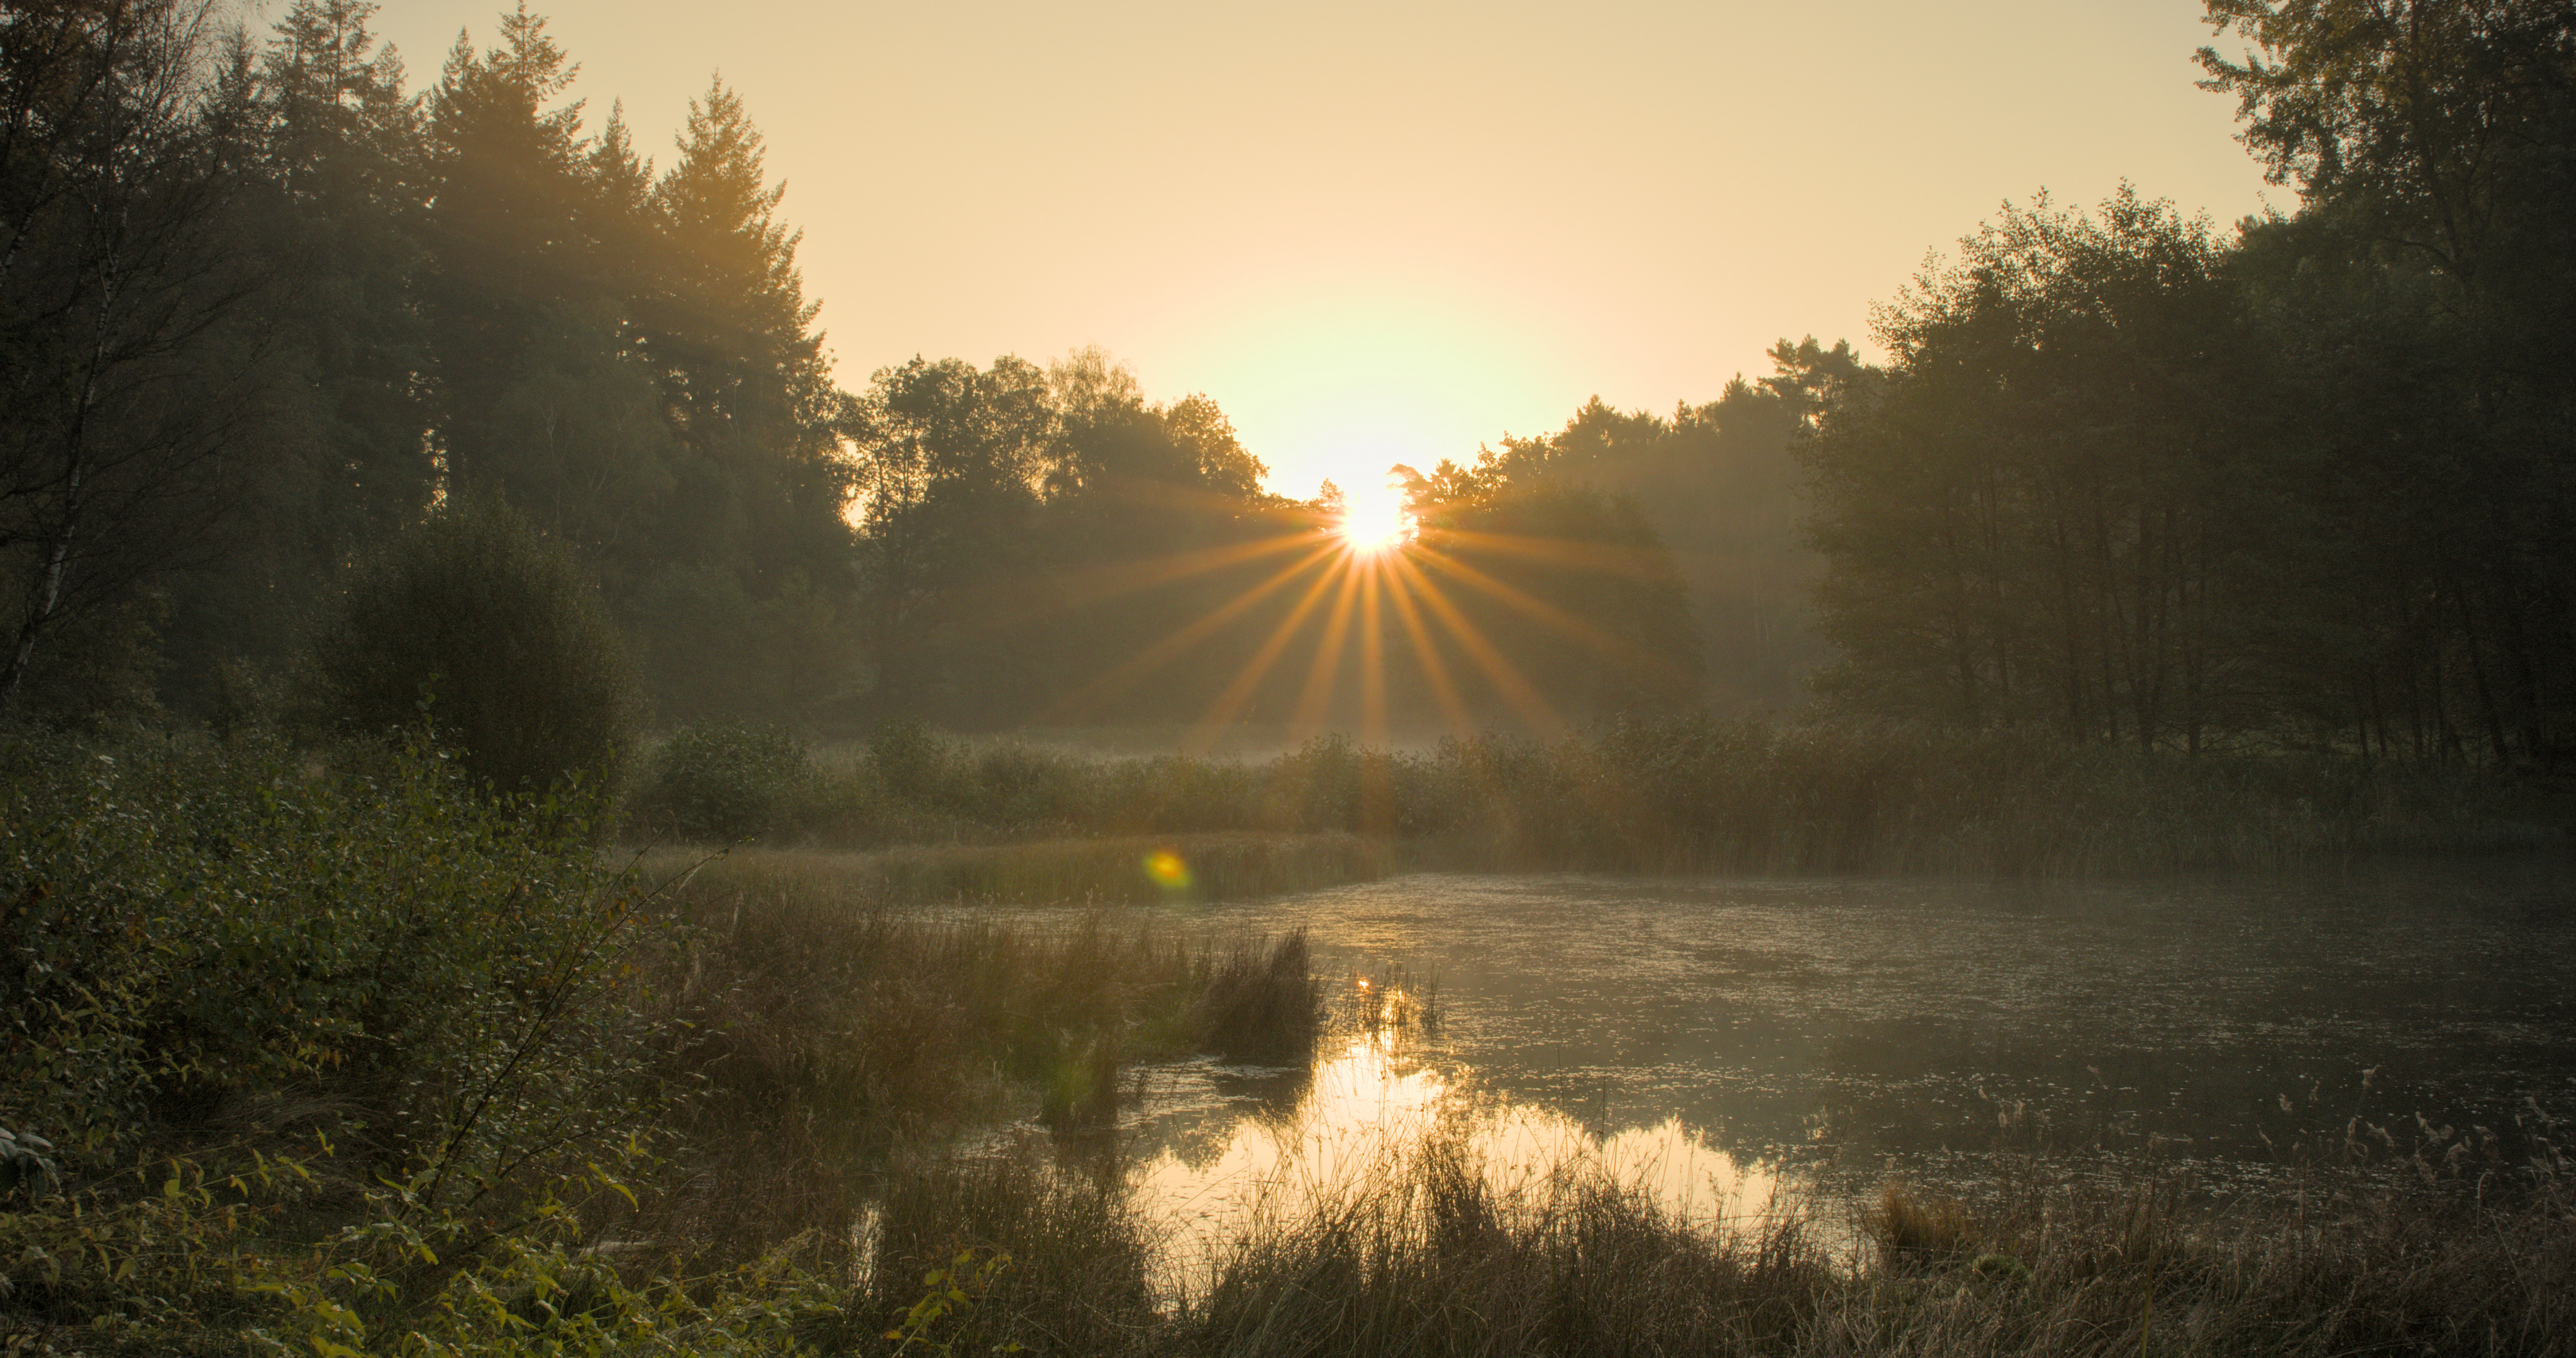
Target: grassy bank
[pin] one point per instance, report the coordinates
(322, 1053)
(1680, 795)
(1423, 1256)
(834, 1039)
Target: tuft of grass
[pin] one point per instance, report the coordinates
(1425, 1256)
(1079, 1089)
(1075, 1274)
(1916, 1228)
(1262, 1002)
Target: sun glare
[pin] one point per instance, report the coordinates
(1374, 523)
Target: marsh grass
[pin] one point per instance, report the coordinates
(829, 1036)
(1074, 1277)
(1917, 1228)
(1683, 794)
(1391, 998)
(1262, 1002)
(1423, 1255)
(2352, 1265)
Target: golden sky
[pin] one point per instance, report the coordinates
(1382, 232)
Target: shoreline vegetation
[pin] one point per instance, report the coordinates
(918, 812)
(331, 1054)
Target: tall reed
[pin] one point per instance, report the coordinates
(827, 1034)
(1683, 794)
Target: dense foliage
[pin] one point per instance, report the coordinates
(2125, 478)
(244, 998)
(372, 299)
(369, 299)
(352, 1057)
(473, 626)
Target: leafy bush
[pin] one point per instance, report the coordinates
(239, 987)
(196, 925)
(477, 622)
(911, 760)
(726, 780)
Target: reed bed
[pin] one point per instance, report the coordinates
(1425, 1257)
(829, 1034)
(1687, 794)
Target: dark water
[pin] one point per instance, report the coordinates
(1749, 1033)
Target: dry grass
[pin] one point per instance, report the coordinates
(1681, 794)
(2365, 1268)
(1425, 1258)
(832, 1036)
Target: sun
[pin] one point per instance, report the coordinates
(1374, 523)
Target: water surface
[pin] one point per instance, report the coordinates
(1715, 1036)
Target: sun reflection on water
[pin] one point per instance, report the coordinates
(1370, 1104)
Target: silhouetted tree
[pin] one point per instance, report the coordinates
(131, 358)
(2426, 285)
(329, 153)
(2046, 505)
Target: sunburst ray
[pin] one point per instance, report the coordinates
(1322, 677)
(1426, 656)
(1163, 652)
(1230, 702)
(1372, 657)
(1598, 638)
(1596, 557)
(1507, 679)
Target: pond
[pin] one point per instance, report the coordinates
(1730, 1041)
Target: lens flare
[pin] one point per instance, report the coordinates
(1167, 870)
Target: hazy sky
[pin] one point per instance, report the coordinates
(1381, 232)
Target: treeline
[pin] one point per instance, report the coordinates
(267, 308)
(1716, 487)
(2121, 477)
(2128, 479)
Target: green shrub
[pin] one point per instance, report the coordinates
(910, 759)
(282, 1037)
(492, 633)
(201, 924)
(726, 780)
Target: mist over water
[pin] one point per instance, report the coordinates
(1726, 1041)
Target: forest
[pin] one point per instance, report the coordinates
(270, 306)
(2121, 474)
(539, 814)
